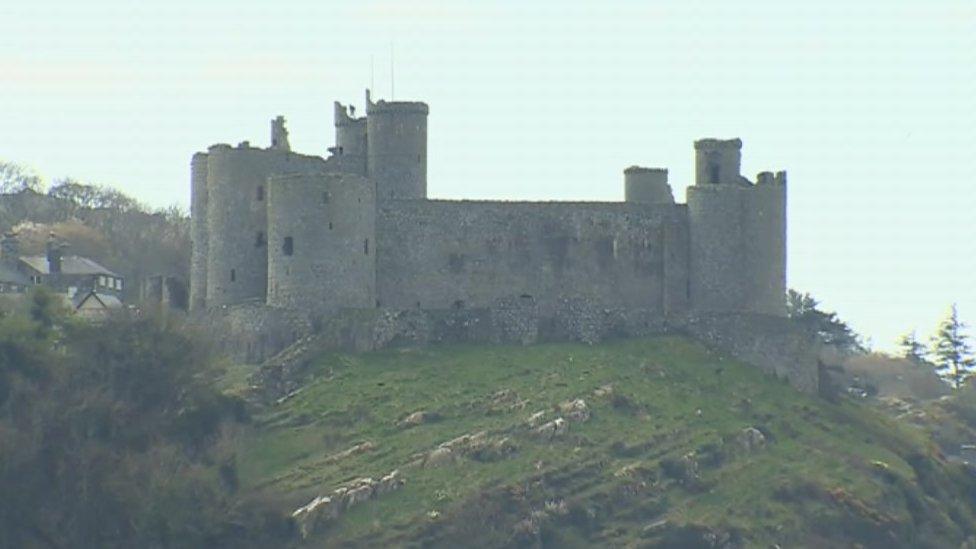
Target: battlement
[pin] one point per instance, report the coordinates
(344, 115)
(279, 134)
(647, 185)
(718, 162)
(403, 107)
(711, 143)
(769, 178)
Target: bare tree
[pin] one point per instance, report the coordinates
(15, 178)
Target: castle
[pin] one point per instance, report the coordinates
(356, 230)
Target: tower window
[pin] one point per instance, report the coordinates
(233, 275)
(366, 246)
(713, 174)
(325, 197)
(259, 240)
(330, 225)
(260, 193)
(289, 246)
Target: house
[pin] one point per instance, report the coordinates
(69, 273)
(12, 281)
(95, 306)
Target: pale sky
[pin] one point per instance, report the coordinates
(870, 107)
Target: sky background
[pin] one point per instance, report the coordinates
(870, 107)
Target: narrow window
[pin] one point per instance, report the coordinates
(289, 246)
(260, 195)
(366, 246)
(325, 197)
(233, 275)
(330, 225)
(713, 174)
(259, 240)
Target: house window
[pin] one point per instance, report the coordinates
(289, 246)
(259, 240)
(101, 281)
(118, 283)
(260, 194)
(233, 275)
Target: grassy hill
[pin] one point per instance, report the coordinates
(672, 446)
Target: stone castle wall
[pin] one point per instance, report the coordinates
(396, 138)
(436, 254)
(198, 231)
(738, 247)
(237, 223)
(321, 242)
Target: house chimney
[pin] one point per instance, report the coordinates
(10, 246)
(55, 252)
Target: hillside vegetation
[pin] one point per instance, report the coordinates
(652, 442)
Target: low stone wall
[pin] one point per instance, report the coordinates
(253, 332)
(774, 344)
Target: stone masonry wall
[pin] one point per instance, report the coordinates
(467, 254)
(774, 344)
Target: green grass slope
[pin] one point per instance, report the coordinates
(660, 461)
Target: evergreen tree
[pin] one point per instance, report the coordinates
(952, 350)
(912, 349)
(830, 328)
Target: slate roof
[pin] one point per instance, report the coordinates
(108, 301)
(70, 265)
(10, 275)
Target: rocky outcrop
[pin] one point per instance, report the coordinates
(325, 508)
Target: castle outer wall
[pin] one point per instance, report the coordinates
(356, 231)
(435, 254)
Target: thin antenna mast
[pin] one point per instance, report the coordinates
(392, 76)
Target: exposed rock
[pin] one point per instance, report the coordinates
(683, 469)
(359, 494)
(752, 439)
(654, 527)
(316, 512)
(603, 390)
(360, 448)
(389, 483)
(504, 401)
(536, 419)
(439, 457)
(325, 508)
(575, 410)
(552, 429)
(417, 418)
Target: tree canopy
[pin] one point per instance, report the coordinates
(110, 437)
(803, 308)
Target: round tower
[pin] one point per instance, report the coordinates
(321, 242)
(198, 232)
(237, 179)
(647, 186)
(350, 140)
(396, 136)
(737, 241)
(718, 161)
